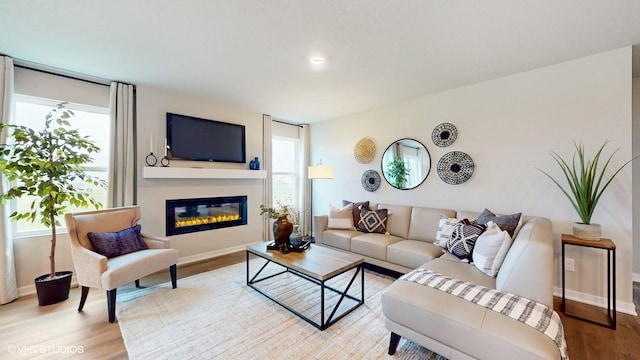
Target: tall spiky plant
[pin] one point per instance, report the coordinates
(45, 164)
(586, 179)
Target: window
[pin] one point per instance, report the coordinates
(286, 178)
(92, 121)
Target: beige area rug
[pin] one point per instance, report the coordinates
(215, 315)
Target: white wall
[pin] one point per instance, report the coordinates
(508, 126)
(152, 105)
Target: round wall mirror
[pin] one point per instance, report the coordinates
(406, 164)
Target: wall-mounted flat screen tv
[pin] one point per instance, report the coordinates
(192, 138)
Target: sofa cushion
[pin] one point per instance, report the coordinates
(341, 218)
(462, 325)
(490, 249)
(355, 213)
(459, 270)
(372, 221)
(425, 222)
(340, 239)
(509, 223)
(412, 253)
(373, 245)
(398, 220)
(464, 238)
(126, 268)
(531, 249)
(112, 244)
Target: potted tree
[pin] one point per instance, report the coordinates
(586, 182)
(47, 165)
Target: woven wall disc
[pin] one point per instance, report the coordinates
(365, 150)
(455, 167)
(371, 180)
(444, 134)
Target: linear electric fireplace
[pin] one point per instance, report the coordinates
(191, 215)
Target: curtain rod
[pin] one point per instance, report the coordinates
(61, 75)
(286, 123)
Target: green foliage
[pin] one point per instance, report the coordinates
(45, 164)
(398, 172)
(274, 213)
(586, 180)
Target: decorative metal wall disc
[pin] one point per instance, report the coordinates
(371, 180)
(455, 167)
(365, 150)
(444, 134)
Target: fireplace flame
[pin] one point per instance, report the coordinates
(207, 220)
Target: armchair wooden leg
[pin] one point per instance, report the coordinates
(111, 304)
(137, 283)
(173, 272)
(393, 343)
(83, 297)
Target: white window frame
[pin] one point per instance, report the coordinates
(296, 173)
(51, 103)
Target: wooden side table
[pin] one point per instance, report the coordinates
(605, 244)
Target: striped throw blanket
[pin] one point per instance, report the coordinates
(532, 313)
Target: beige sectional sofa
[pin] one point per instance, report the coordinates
(441, 322)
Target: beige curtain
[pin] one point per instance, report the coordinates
(8, 283)
(122, 169)
(267, 198)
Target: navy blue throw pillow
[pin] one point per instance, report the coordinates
(112, 244)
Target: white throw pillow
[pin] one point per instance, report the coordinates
(490, 249)
(341, 218)
(445, 229)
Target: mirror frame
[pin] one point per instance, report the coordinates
(384, 172)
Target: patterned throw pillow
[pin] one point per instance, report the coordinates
(356, 209)
(509, 223)
(112, 244)
(373, 221)
(445, 230)
(464, 238)
(491, 248)
(341, 218)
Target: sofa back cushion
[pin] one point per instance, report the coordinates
(398, 218)
(527, 269)
(424, 222)
(471, 215)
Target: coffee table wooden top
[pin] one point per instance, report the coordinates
(318, 262)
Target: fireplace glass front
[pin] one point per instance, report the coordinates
(191, 215)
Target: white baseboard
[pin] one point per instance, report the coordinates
(624, 307)
(31, 289)
(212, 254)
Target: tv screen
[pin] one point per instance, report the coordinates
(191, 138)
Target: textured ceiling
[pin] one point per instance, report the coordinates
(254, 53)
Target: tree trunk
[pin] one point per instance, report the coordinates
(52, 254)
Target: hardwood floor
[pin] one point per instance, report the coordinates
(28, 331)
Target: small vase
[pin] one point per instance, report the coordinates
(282, 228)
(296, 237)
(591, 232)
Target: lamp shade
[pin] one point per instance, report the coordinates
(320, 172)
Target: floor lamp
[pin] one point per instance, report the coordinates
(316, 172)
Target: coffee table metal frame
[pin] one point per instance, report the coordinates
(322, 325)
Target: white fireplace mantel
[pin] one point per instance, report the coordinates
(149, 172)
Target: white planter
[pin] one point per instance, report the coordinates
(587, 231)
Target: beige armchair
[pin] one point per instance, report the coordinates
(97, 271)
